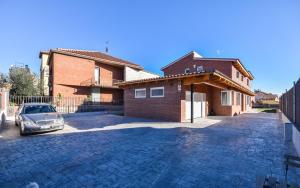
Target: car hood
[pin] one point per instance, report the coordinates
(41, 116)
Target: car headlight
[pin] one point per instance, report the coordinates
(59, 121)
(28, 123)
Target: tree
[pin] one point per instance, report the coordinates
(3, 79)
(23, 82)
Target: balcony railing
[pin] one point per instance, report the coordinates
(101, 83)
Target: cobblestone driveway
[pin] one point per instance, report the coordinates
(115, 151)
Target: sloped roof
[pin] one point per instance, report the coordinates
(266, 95)
(236, 62)
(94, 55)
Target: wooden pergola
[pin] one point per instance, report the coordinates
(215, 79)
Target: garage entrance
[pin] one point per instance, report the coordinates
(199, 105)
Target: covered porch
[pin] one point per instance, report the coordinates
(212, 94)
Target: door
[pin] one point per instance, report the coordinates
(199, 105)
(96, 94)
(203, 104)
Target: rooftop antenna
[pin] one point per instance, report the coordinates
(106, 46)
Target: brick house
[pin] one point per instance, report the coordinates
(82, 73)
(264, 96)
(192, 87)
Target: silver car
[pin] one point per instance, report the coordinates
(38, 117)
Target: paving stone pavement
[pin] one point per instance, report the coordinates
(132, 152)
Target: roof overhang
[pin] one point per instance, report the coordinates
(240, 67)
(192, 53)
(105, 61)
(213, 78)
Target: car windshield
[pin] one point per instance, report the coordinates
(34, 109)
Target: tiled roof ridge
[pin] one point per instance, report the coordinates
(75, 50)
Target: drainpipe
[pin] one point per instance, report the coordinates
(192, 103)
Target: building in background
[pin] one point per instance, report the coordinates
(265, 99)
(83, 73)
(261, 96)
(44, 72)
(192, 87)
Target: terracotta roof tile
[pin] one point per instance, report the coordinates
(97, 55)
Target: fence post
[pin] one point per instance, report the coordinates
(294, 102)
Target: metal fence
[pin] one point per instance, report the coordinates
(290, 103)
(66, 104)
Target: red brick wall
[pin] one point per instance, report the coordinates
(239, 80)
(109, 73)
(225, 67)
(69, 73)
(187, 62)
(111, 95)
(231, 110)
(172, 106)
(165, 108)
(215, 100)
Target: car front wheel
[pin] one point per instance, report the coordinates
(22, 133)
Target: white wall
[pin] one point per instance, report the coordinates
(3, 110)
(133, 74)
(44, 73)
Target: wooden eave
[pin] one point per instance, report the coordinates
(215, 78)
(241, 68)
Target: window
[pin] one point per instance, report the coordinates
(238, 98)
(242, 78)
(157, 92)
(140, 93)
(200, 69)
(248, 82)
(237, 74)
(226, 98)
(187, 70)
(97, 75)
(36, 109)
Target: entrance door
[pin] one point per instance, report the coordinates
(96, 94)
(203, 104)
(199, 105)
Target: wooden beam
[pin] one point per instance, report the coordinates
(195, 80)
(217, 85)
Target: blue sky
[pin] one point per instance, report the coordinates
(265, 35)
